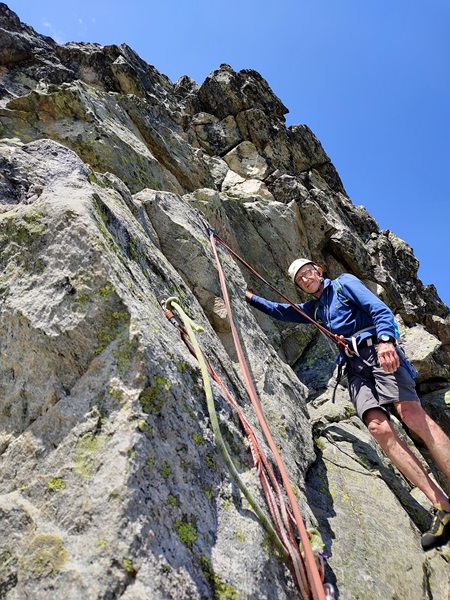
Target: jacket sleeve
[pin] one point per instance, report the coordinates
(361, 296)
(283, 312)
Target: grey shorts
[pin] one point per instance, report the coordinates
(371, 387)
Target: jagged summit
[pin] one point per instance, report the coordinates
(112, 485)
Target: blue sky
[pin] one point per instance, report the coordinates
(371, 79)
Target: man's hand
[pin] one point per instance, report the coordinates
(248, 296)
(342, 340)
(388, 357)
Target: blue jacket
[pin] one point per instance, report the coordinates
(345, 307)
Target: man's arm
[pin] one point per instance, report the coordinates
(282, 312)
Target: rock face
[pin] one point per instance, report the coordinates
(112, 485)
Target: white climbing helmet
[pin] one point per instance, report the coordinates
(297, 265)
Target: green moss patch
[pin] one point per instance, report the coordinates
(44, 557)
(111, 324)
(187, 532)
(129, 568)
(152, 398)
(86, 451)
(56, 485)
(165, 469)
(221, 590)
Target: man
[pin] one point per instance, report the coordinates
(378, 375)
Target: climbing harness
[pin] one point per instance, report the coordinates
(284, 538)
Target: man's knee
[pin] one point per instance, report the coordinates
(412, 415)
(378, 423)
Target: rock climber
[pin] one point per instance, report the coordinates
(378, 375)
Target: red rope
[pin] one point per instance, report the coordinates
(314, 580)
(272, 491)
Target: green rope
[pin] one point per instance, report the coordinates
(190, 326)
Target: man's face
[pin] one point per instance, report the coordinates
(308, 278)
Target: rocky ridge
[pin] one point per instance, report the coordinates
(112, 483)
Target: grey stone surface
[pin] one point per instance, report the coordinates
(112, 483)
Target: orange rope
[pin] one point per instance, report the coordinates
(275, 501)
(314, 580)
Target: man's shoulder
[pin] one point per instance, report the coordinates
(347, 284)
(346, 278)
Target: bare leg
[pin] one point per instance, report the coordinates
(437, 442)
(401, 456)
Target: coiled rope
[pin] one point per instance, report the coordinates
(287, 546)
(308, 565)
(206, 370)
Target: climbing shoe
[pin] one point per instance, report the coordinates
(439, 534)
